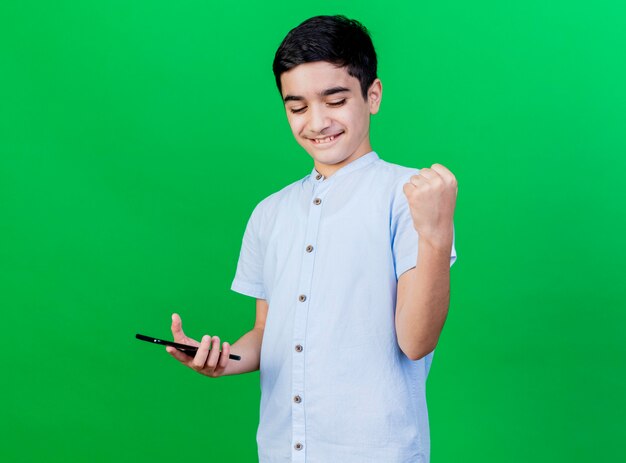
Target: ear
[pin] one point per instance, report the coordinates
(375, 95)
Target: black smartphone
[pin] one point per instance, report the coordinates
(189, 350)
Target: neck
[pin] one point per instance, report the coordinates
(329, 169)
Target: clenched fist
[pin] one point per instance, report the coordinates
(431, 195)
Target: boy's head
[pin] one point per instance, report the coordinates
(335, 39)
(325, 70)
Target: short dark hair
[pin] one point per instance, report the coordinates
(336, 39)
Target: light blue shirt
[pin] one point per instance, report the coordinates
(326, 253)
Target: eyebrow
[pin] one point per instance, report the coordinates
(323, 93)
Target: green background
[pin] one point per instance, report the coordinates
(137, 136)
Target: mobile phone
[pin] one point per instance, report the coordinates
(184, 348)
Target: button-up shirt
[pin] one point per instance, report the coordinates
(326, 254)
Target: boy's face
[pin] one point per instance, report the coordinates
(327, 113)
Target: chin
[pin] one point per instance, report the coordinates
(329, 157)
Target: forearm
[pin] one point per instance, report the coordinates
(249, 348)
(421, 314)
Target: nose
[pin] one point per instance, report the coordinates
(318, 119)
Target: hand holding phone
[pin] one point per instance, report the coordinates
(207, 359)
(184, 348)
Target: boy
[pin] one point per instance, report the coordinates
(349, 267)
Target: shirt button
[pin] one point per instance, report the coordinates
(302, 298)
(299, 348)
(309, 248)
(298, 446)
(318, 176)
(317, 201)
(297, 399)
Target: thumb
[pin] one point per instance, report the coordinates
(177, 328)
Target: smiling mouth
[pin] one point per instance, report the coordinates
(325, 140)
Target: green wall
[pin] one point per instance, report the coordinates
(137, 136)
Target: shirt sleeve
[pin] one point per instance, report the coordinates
(404, 238)
(249, 275)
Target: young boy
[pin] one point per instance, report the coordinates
(350, 270)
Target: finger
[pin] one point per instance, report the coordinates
(177, 328)
(199, 361)
(419, 180)
(214, 355)
(441, 169)
(178, 355)
(426, 173)
(224, 357)
(408, 188)
(433, 176)
(444, 172)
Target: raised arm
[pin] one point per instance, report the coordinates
(214, 363)
(424, 291)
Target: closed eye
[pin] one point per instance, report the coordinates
(297, 110)
(336, 103)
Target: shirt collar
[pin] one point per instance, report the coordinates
(363, 161)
